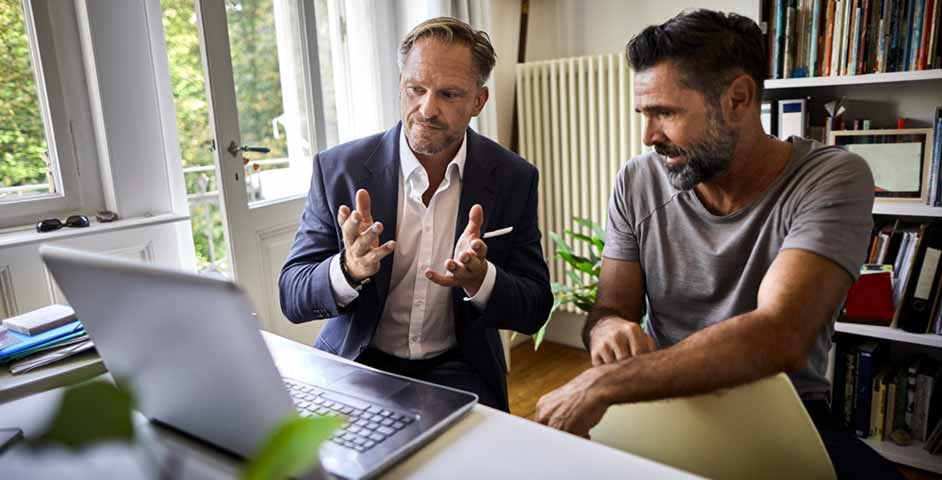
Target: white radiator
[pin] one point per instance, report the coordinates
(578, 127)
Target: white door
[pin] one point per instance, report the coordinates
(260, 60)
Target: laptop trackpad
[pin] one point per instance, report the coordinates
(370, 384)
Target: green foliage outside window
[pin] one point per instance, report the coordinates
(22, 137)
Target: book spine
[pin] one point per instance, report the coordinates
(851, 67)
(846, 25)
(864, 35)
(910, 395)
(865, 368)
(920, 408)
(873, 36)
(937, 153)
(815, 32)
(850, 382)
(879, 409)
(828, 39)
(890, 414)
(927, 17)
(933, 61)
(913, 54)
(790, 41)
(906, 36)
(837, 40)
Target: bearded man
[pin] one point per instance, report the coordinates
(743, 246)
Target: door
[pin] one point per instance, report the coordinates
(260, 58)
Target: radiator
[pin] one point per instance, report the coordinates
(577, 125)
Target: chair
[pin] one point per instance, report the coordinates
(759, 430)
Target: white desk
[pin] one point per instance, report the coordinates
(486, 443)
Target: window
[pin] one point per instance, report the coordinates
(38, 174)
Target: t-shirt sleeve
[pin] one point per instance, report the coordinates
(834, 217)
(620, 240)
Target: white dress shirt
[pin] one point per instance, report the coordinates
(418, 320)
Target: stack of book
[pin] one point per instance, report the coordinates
(911, 250)
(41, 337)
(808, 38)
(884, 400)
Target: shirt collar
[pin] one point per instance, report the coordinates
(409, 163)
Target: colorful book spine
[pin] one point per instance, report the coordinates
(936, 24)
(927, 17)
(790, 42)
(866, 370)
(906, 36)
(863, 35)
(828, 39)
(913, 55)
(815, 32)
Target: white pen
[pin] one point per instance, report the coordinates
(497, 233)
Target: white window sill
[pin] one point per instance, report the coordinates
(12, 237)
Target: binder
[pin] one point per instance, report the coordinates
(917, 302)
(25, 343)
(792, 118)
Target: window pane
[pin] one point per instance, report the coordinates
(274, 104)
(195, 135)
(24, 155)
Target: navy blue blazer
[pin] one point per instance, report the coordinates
(506, 187)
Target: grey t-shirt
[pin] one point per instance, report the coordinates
(700, 268)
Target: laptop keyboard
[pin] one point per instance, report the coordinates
(365, 425)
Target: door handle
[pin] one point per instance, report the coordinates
(235, 148)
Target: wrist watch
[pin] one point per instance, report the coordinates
(354, 283)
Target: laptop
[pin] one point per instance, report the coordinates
(191, 349)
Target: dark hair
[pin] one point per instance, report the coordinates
(709, 48)
(453, 31)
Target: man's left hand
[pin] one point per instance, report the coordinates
(469, 267)
(575, 407)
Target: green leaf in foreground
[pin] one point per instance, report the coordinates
(89, 413)
(292, 448)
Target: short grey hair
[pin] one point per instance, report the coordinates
(452, 31)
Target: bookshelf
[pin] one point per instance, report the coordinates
(864, 79)
(906, 210)
(893, 334)
(912, 455)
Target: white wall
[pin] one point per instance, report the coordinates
(571, 28)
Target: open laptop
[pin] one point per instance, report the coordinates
(191, 349)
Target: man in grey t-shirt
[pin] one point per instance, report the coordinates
(743, 245)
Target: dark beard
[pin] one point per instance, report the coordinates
(704, 159)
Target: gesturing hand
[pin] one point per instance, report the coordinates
(469, 267)
(361, 238)
(613, 339)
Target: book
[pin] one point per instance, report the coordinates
(41, 319)
(26, 343)
(792, 118)
(878, 404)
(867, 361)
(911, 373)
(925, 383)
(890, 411)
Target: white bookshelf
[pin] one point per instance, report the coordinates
(906, 209)
(893, 334)
(912, 455)
(864, 79)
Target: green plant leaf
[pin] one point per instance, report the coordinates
(538, 337)
(576, 279)
(561, 245)
(292, 447)
(597, 230)
(558, 288)
(88, 413)
(579, 263)
(579, 236)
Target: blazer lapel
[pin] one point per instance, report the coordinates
(382, 181)
(477, 186)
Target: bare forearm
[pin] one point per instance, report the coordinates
(737, 351)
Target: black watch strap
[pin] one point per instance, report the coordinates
(354, 283)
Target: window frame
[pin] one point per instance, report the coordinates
(52, 72)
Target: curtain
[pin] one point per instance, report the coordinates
(364, 52)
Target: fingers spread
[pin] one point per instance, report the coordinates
(479, 248)
(475, 220)
(363, 205)
(443, 280)
(367, 240)
(381, 252)
(351, 229)
(342, 214)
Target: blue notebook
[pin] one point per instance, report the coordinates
(14, 342)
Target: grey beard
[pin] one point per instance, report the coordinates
(705, 159)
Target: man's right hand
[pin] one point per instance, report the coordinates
(361, 238)
(613, 339)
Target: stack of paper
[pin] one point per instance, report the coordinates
(50, 346)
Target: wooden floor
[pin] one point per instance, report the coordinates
(534, 374)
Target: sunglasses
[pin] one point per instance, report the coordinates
(51, 224)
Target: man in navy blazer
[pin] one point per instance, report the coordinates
(443, 246)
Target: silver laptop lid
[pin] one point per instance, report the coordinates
(203, 382)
